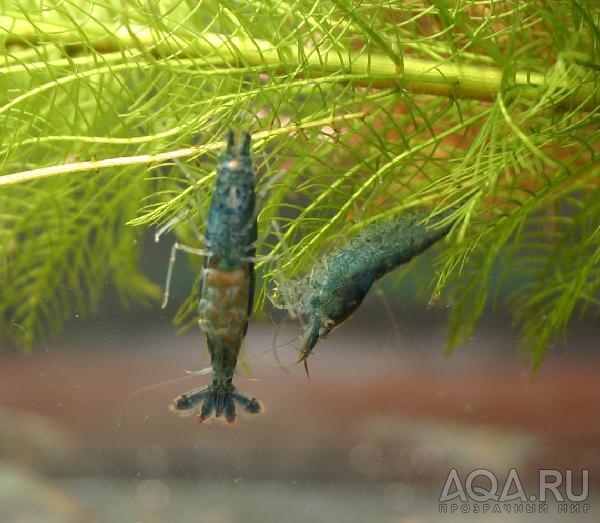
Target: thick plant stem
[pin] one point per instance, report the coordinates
(145, 159)
(375, 70)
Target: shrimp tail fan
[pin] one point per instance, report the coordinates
(215, 400)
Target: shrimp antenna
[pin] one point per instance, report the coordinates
(389, 313)
(274, 347)
(158, 385)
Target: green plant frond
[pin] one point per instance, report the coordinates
(59, 251)
(567, 276)
(115, 115)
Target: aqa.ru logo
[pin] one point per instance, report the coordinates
(513, 491)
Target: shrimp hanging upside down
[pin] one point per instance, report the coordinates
(227, 285)
(337, 285)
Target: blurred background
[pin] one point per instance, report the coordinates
(86, 435)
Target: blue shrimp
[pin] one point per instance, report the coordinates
(337, 285)
(227, 285)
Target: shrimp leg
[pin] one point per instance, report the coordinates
(178, 247)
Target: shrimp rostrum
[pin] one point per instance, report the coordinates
(227, 293)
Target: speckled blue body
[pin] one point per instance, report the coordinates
(231, 227)
(227, 284)
(338, 284)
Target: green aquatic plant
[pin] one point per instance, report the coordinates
(111, 116)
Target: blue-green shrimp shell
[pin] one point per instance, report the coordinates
(337, 285)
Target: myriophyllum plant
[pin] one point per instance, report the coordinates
(111, 115)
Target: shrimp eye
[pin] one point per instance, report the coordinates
(328, 324)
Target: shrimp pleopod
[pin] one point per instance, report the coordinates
(227, 284)
(337, 285)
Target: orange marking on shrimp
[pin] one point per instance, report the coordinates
(221, 278)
